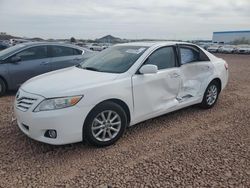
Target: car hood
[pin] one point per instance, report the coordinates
(66, 82)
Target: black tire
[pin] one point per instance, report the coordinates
(88, 134)
(205, 104)
(2, 87)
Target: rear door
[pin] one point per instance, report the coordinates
(62, 56)
(156, 93)
(196, 69)
(34, 61)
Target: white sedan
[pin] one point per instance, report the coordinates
(214, 48)
(119, 87)
(227, 49)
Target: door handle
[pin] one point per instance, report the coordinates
(175, 75)
(45, 63)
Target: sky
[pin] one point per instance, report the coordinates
(131, 19)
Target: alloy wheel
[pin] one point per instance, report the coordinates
(106, 125)
(212, 93)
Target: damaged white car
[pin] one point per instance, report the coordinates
(119, 87)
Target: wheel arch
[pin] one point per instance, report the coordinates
(5, 81)
(218, 80)
(117, 101)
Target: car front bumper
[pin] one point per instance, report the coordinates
(67, 122)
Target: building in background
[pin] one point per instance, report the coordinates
(233, 37)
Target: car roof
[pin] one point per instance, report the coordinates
(154, 43)
(22, 46)
(29, 44)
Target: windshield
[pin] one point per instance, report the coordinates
(8, 51)
(117, 59)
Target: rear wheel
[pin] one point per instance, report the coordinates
(211, 95)
(2, 87)
(105, 124)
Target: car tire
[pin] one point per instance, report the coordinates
(211, 95)
(2, 87)
(105, 124)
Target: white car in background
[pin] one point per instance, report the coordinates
(243, 49)
(214, 48)
(119, 87)
(96, 47)
(227, 49)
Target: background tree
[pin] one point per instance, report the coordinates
(72, 39)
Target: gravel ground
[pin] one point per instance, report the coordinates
(188, 148)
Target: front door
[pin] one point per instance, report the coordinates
(34, 61)
(156, 93)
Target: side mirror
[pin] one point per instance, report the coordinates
(15, 59)
(148, 69)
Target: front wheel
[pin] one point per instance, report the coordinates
(211, 95)
(105, 124)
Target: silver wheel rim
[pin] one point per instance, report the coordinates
(106, 125)
(211, 95)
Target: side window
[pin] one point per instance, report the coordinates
(163, 58)
(60, 51)
(38, 52)
(188, 55)
(191, 54)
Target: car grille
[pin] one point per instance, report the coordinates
(24, 103)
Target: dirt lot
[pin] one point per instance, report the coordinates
(191, 148)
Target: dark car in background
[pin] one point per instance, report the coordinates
(3, 46)
(24, 61)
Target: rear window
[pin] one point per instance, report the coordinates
(60, 51)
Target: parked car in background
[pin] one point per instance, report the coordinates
(227, 49)
(24, 61)
(119, 87)
(205, 46)
(214, 48)
(96, 47)
(3, 46)
(14, 42)
(243, 49)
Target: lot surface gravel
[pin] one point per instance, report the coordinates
(188, 148)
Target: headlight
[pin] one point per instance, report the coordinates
(57, 103)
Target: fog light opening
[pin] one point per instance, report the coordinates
(50, 133)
